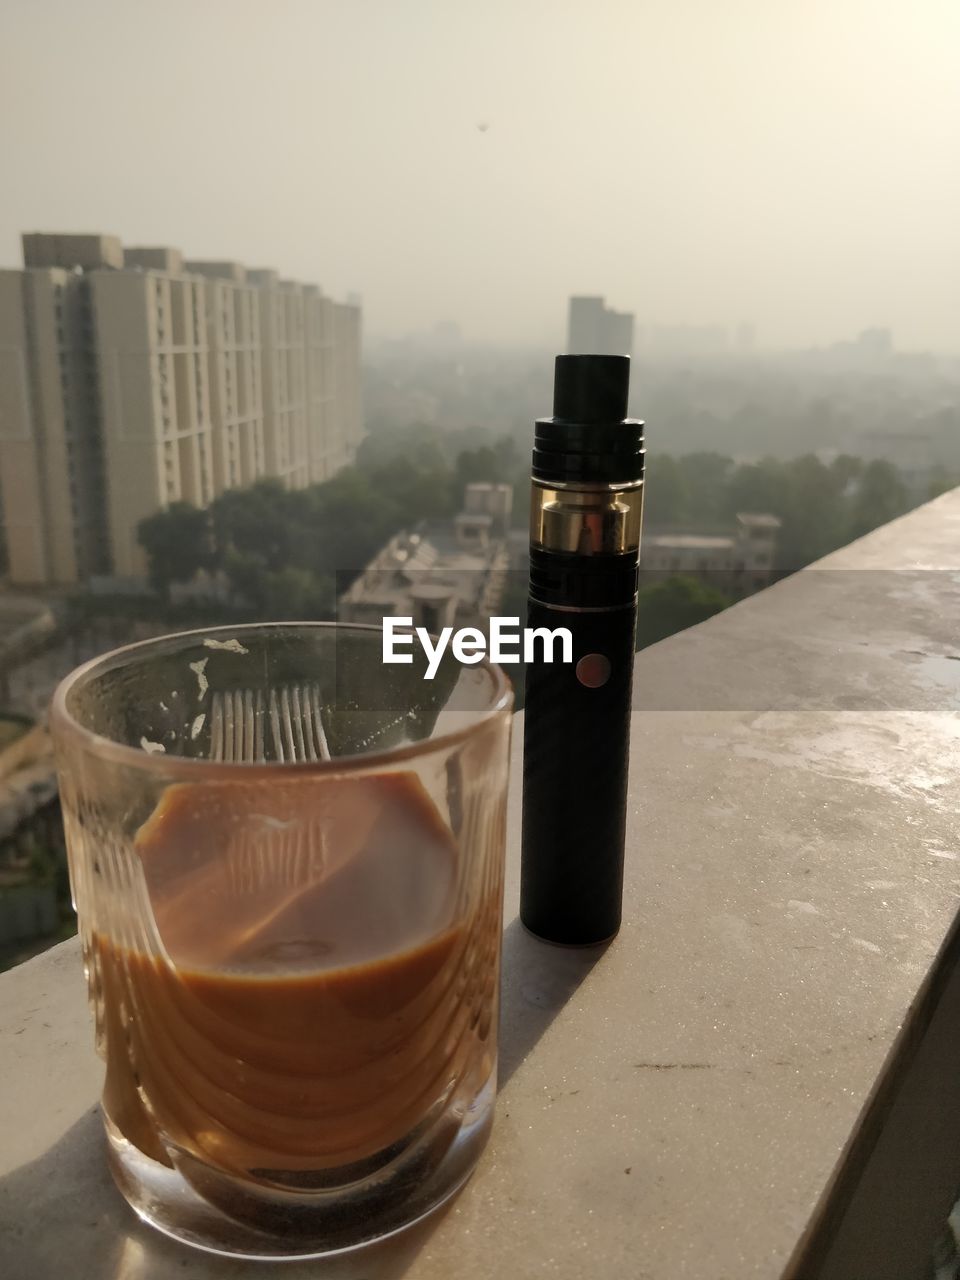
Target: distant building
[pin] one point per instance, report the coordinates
(870, 349)
(594, 329)
(739, 562)
(130, 379)
(876, 342)
(442, 574)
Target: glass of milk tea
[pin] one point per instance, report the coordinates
(286, 858)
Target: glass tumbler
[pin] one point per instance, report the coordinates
(287, 861)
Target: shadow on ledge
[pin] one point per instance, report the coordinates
(62, 1215)
(538, 980)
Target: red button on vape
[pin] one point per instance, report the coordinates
(593, 670)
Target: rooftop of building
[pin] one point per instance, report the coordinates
(71, 249)
(97, 252)
(690, 541)
(153, 258)
(217, 270)
(758, 520)
(428, 562)
(710, 538)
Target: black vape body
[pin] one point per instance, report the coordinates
(585, 535)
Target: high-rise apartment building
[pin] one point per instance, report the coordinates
(130, 379)
(234, 370)
(319, 370)
(151, 342)
(594, 329)
(346, 357)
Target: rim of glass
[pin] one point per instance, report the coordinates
(106, 748)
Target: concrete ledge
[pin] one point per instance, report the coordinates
(679, 1105)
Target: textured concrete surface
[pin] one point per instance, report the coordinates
(675, 1106)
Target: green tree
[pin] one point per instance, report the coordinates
(758, 487)
(505, 447)
(813, 513)
(425, 444)
(414, 493)
(881, 496)
(942, 479)
(482, 465)
(288, 594)
(705, 477)
(664, 608)
(666, 497)
(266, 521)
(177, 544)
(845, 469)
(297, 594)
(351, 517)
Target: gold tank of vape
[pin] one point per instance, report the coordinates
(585, 519)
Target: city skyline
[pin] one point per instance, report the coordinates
(700, 164)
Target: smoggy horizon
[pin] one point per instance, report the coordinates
(790, 167)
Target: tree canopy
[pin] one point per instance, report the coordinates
(177, 544)
(288, 553)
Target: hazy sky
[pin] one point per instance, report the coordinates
(791, 162)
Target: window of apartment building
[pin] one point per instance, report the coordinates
(198, 382)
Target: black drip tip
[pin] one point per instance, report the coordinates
(591, 389)
(589, 439)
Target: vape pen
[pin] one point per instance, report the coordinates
(585, 517)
